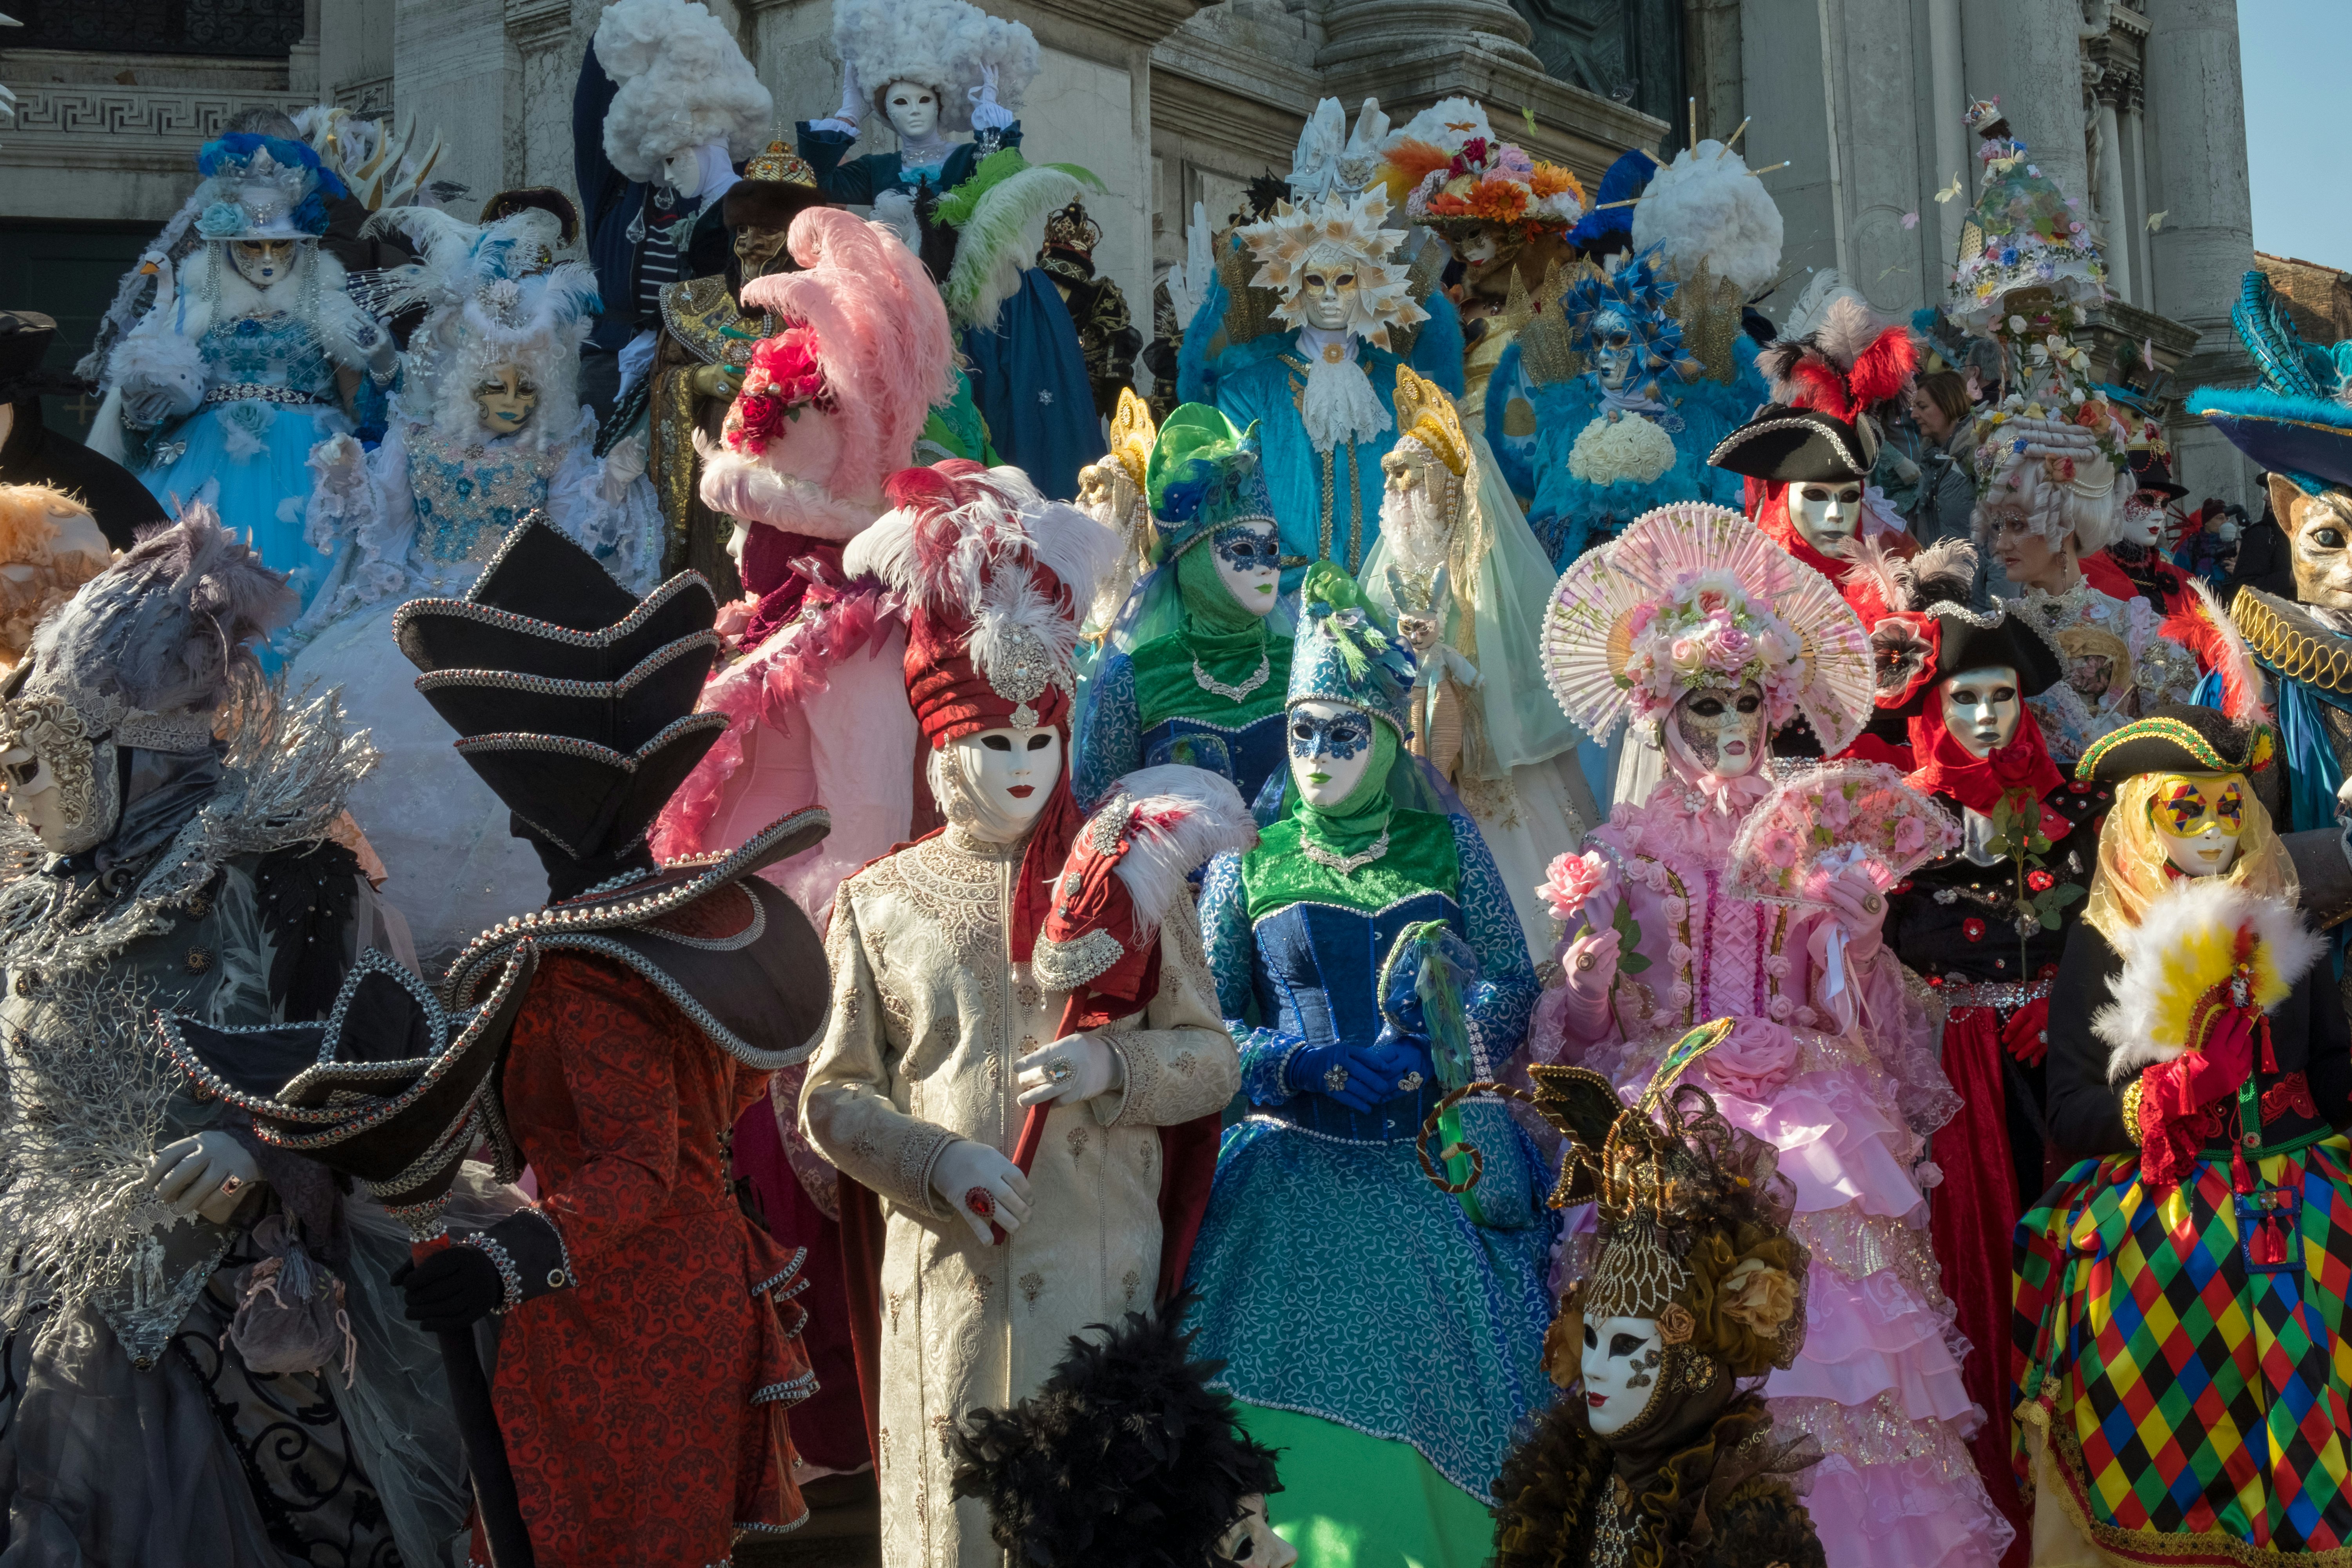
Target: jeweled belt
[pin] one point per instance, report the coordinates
(2004, 994)
(259, 391)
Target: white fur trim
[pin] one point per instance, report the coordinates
(2152, 979)
(737, 486)
(1183, 818)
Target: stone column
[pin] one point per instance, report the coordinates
(791, 46)
(2196, 121)
(1946, 75)
(2115, 207)
(540, 34)
(1359, 31)
(302, 59)
(456, 70)
(2038, 74)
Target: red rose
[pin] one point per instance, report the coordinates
(1973, 929)
(2040, 881)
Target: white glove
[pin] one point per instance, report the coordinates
(853, 104)
(624, 465)
(1066, 1071)
(964, 1166)
(987, 115)
(208, 1175)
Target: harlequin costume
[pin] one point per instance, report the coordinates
(1954, 923)
(1691, 1242)
(948, 966)
(2180, 1294)
(1310, 934)
(1829, 1062)
(645, 1320)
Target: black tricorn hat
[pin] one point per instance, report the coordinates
(1971, 639)
(573, 699)
(390, 1089)
(1800, 446)
(2178, 738)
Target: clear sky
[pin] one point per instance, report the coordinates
(2293, 55)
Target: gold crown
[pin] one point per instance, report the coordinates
(1072, 229)
(780, 165)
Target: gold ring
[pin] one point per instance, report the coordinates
(1583, 961)
(1872, 904)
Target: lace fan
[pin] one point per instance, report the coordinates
(1829, 818)
(1588, 630)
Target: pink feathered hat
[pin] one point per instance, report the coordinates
(862, 347)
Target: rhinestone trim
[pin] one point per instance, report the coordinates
(1240, 690)
(1346, 865)
(489, 1246)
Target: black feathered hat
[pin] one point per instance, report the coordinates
(1125, 1456)
(1916, 649)
(573, 699)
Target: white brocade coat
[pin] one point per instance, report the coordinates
(930, 1015)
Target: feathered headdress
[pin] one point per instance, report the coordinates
(683, 83)
(1631, 290)
(1340, 230)
(1824, 383)
(2298, 422)
(1708, 209)
(863, 341)
(1346, 651)
(1331, 161)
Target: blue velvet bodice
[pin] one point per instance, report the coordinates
(1318, 977)
(1248, 755)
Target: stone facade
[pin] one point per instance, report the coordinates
(2134, 106)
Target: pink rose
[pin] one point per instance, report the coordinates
(1640, 620)
(1734, 647)
(1710, 602)
(1570, 883)
(1754, 1060)
(1688, 654)
(1780, 847)
(1910, 837)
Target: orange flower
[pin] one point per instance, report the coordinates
(1551, 179)
(1498, 201)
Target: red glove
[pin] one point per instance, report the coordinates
(2027, 1034)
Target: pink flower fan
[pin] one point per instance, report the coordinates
(1822, 822)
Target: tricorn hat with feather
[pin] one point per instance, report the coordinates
(1825, 381)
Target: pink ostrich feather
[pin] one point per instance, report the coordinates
(882, 338)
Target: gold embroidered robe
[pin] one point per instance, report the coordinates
(928, 1017)
(700, 326)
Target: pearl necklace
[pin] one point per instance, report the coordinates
(1346, 865)
(1210, 683)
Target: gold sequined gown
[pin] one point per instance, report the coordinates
(928, 1017)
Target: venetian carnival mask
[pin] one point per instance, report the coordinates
(1721, 731)
(756, 249)
(1330, 750)
(2320, 530)
(1826, 513)
(1105, 493)
(1008, 775)
(262, 262)
(1621, 1361)
(1614, 351)
(1249, 558)
(1981, 709)
(2143, 519)
(56, 765)
(507, 398)
(2198, 816)
(912, 108)
(1415, 514)
(1251, 1541)
(1326, 297)
(682, 173)
(34, 800)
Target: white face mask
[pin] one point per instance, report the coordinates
(2143, 521)
(1720, 730)
(1008, 775)
(34, 800)
(1252, 1542)
(1248, 564)
(1413, 515)
(913, 111)
(1981, 709)
(1826, 514)
(1329, 295)
(1622, 1359)
(682, 173)
(1331, 750)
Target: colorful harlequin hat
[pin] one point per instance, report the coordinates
(1347, 650)
(2299, 421)
(1205, 474)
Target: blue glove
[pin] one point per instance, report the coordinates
(1393, 1063)
(1331, 1071)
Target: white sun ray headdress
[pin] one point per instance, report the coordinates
(1694, 596)
(1338, 228)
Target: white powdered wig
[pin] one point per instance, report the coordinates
(2153, 985)
(1181, 818)
(1706, 207)
(944, 45)
(683, 83)
(2036, 482)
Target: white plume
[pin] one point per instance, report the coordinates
(1706, 207)
(682, 82)
(1179, 818)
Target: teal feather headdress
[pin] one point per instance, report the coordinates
(2299, 421)
(1346, 651)
(1204, 475)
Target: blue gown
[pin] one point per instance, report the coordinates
(270, 396)
(1115, 743)
(1337, 1282)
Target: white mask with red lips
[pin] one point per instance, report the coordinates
(993, 784)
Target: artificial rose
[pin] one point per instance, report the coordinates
(1910, 837)
(1675, 1324)
(1756, 1295)
(1781, 848)
(2040, 882)
(1572, 880)
(1754, 1060)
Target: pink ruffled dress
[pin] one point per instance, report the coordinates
(1844, 1081)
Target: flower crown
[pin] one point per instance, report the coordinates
(1707, 632)
(784, 379)
(1491, 183)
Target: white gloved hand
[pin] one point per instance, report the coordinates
(623, 465)
(208, 1175)
(1066, 1071)
(987, 115)
(852, 105)
(963, 1166)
